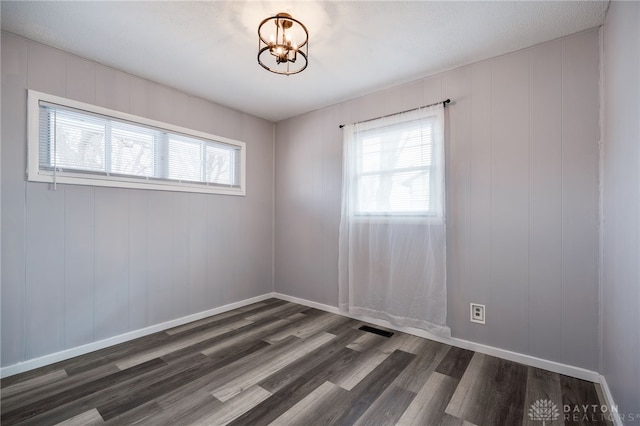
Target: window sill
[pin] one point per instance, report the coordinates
(120, 182)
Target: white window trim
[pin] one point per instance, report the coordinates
(78, 178)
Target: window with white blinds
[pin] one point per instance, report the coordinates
(76, 143)
(397, 169)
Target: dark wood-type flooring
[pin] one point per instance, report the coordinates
(281, 363)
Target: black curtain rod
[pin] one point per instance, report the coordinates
(444, 104)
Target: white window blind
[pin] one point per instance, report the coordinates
(397, 168)
(76, 143)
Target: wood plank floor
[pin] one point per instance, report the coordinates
(281, 363)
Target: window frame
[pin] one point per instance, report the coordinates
(36, 174)
(435, 214)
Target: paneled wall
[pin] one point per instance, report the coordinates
(80, 264)
(522, 170)
(621, 207)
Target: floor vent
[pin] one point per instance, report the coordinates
(376, 331)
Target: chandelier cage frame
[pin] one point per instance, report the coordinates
(280, 48)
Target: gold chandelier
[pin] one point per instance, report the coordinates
(283, 44)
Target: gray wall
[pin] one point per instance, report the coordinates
(522, 196)
(85, 263)
(82, 263)
(621, 201)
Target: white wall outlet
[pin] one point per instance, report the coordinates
(477, 313)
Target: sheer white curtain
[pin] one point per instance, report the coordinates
(392, 254)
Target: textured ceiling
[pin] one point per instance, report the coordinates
(209, 48)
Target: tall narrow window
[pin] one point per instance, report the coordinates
(75, 143)
(392, 251)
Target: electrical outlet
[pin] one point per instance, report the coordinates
(477, 313)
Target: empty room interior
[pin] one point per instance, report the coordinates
(320, 212)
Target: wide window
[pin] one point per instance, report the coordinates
(76, 143)
(397, 167)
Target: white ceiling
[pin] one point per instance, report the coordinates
(209, 48)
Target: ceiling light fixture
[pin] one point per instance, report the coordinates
(279, 48)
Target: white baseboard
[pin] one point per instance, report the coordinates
(556, 367)
(309, 303)
(560, 368)
(101, 344)
(617, 421)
